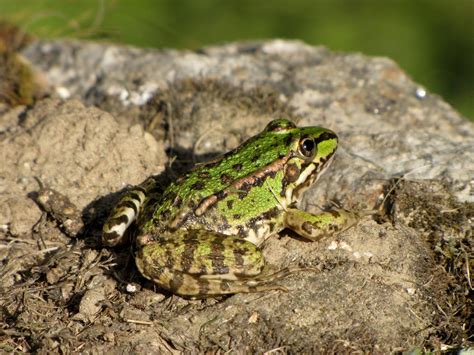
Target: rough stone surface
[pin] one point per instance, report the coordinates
(118, 114)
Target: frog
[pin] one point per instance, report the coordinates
(201, 236)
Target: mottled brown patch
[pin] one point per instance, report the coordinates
(203, 286)
(170, 262)
(307, 227)
(242, 194)
(223, 225)
(217, 258)
(270, 214)
(238, 257)
(272, 226)
(144, 239)
(204, 174)
(241, 231)
(292, 172)
(187, 257)
(284, 184)
(247, 186)
(259, 182)
(178, 220)
(176, 282)
(237, 216)
(203, 269)
(177, 202)
(230, 204)
(155, 272)
(224, 286)
(237, 167)
(166, 214)
(198, 185)
(334, 213)
(226, 179)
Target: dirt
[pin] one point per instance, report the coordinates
(400, 280)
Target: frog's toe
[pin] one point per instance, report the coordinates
(283, 273)
(205, 287)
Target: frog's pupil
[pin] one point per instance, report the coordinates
(307, 147)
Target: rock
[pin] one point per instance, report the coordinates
(68, 146)
(91, 304)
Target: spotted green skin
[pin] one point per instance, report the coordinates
(200, 237)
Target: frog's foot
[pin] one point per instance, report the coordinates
(315, 226)
(208, 286)
(283, 273)
(206, 264)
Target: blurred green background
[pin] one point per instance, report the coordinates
(432, 40)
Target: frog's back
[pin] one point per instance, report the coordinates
(228, 194)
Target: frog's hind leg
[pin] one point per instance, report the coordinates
(206, 264)
(125, 213)
(213, 285)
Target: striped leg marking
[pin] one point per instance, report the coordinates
(123, 215)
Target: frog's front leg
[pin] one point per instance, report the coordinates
(315, 226)
(199, 263)
(126, 211)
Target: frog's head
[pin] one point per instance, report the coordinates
(309, 152)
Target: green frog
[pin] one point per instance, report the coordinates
(200, 236)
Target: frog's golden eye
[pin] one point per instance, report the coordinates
(307, 147)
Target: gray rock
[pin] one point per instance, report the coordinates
(387, 127)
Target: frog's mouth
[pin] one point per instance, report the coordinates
(309, 175)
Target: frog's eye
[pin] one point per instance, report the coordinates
(307, 147)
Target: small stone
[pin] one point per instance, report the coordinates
(131, 288)
(63, 92)
(91, 303)
(345, 246)
(253, 318)
(420, 93)
(110, 337)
